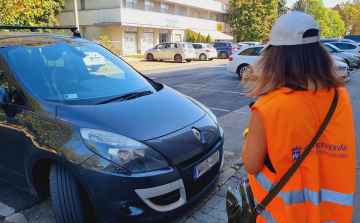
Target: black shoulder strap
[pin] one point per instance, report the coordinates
(261, 206)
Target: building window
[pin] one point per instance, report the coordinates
(149, 6)
(82, 4)
(201, 14)
(131, 4)
(83, 32)
(164, 8)
(178, 38)
(178, 10)
(191, 13)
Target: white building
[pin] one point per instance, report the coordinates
(140, 24)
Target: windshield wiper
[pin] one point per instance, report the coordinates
(127, 97)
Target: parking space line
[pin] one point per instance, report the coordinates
(203, 89)
(225, 110)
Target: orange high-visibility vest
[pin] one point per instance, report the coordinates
(322, 189)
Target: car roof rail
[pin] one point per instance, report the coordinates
(74, 30)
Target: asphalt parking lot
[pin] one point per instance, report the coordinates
(209, 83)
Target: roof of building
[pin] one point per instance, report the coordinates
(223, 1)
(337, 8)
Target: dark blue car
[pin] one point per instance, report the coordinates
(109, 145)
(224, 49)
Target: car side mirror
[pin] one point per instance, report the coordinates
(4, 99)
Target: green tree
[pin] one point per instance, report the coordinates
(188, 36)
(30, 12)
(193, 38)
(252, 20)
(351, 16)
(198, 38)
(208, 39)
(329, 21)
(282, 9)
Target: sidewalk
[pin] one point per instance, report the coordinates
(213, 209)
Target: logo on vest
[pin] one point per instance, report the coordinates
(296, 152)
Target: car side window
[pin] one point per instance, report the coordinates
(342, 46)
(13, 93)
(351, 47)
(160, 46)
(328, 48)
(172, 45)
(247, 52)
(256, 52)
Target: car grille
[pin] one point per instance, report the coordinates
(166, 199)
(193, 189)
(196, 158)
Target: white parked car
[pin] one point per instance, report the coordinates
(349, 47)
(177, 51)
(204, 51)
(94, 60)
(241, 60)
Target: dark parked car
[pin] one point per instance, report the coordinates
(110, 142)
(224, 49)
(355, 38)
(336, 40)
(351, 60)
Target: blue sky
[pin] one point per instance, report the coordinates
(327, 3)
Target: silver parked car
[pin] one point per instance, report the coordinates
(204, 51)
(177, 51)
(353, 61)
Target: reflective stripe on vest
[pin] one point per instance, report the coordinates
(299, 196)
(266, 215)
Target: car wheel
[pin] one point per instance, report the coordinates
(65, 195)
(150, 57)
(242, 70)
(94, 68)
(211, 59)
(188, 60)
(202, 57)
(178, 58)
(224, 55)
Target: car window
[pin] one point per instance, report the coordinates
(13, 94)
(71, 73)
(342, 46)
(224, 44)
(188, 46)
(328, 48)
(209, 46)
(197, 46)
(257, 51)
(161, 46)
(172, 45)
(247, 52)
(351, 47)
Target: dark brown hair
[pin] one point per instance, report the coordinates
(296, 64)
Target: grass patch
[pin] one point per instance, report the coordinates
(136, 56)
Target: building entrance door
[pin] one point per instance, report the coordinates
(162, 37)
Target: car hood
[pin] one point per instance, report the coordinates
(143, 118)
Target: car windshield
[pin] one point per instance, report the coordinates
(188, 46)
(334, 48)
(72, 73)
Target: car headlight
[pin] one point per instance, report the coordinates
(355, 57)
(128, 153)
(203, 107)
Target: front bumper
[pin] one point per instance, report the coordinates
(152, 195)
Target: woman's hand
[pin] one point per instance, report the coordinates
(255, 147)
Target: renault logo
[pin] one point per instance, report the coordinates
(199, 135)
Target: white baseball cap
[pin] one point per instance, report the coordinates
(290, 28)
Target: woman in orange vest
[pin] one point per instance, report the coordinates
(296, 80)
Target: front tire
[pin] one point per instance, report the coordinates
(178, 58)
(150, 57)
(65, 195)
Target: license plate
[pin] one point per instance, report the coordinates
(95, 58)
(206, 165)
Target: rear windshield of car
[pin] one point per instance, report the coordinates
(72, 73)
(189, 46)
(210, 46)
